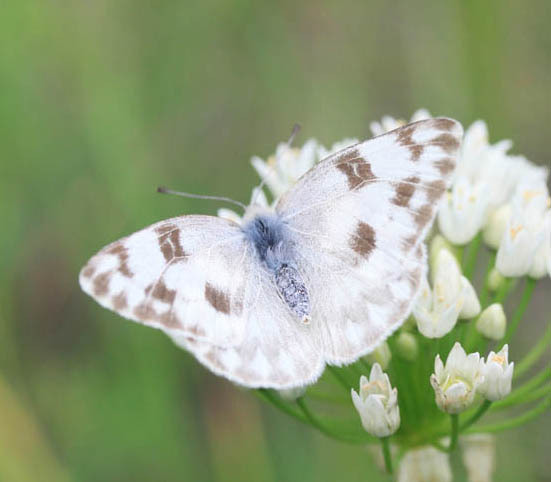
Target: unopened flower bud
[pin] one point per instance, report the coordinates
(377, 403)
(498, 375)
(495, 279)
(407, 346)
(492, 322)
(381, 355)
(496, 226)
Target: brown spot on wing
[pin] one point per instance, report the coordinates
(363, 240)
(355, 167)
(435, 189)
(88, 271)
(101, 283)
(119, 301)
(404, 191)
(169, 242)
(405, 139)
(218, 299)
(447, 142)
(121, 252)
(161, 292)
(144, 312)
(409, 242)
(445, 166)
(444, 124)
(423, 215)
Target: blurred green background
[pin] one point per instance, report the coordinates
(101, 101)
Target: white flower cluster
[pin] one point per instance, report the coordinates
(452, 297)
(463, 376)
(283, 169)
(502, 195)
(506, 197)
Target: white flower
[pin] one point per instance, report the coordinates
(258, 200)
(389, 123)
(381, 355)
(452, 296)
(522, 249)
(492, 322)
(478, 455)
(498, 374)
(455, 384)
(425, 464)
(497, 225)
(282, 170)
(548, 240)
(377, 403)
(463, 211)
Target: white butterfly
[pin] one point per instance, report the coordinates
(324, 278)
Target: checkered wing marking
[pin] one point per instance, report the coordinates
(360, 217)
(197, 279)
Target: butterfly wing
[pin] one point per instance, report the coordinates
(360, 217)
(198, 279)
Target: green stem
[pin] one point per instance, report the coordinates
(527, 398)
(534, 354)
(521, 308)
(470, 335)
(504, 290)
(517, 421)
(455, 432)
(484, 294)
(339, 378)
(280, 404)
(309, 416)
(386, 454)
(454, 436)
(470, 261)
(517, 395)
(475, 416)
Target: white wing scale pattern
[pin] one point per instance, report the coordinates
(359, 219)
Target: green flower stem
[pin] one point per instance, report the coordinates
(529, 397)
(386, 454)
(521, 308)
(328, 397)
(515, 422)
(280, 404)
(470, 336)
(469, 261)
(454, 436)
(455, 432)
(474, 418)
(518, 394)
(339, 378)
(484, 294)
(315, 422)
(534, 354)
(505, 288)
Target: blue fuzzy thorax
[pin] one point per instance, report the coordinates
(270, 236)
(274, 245)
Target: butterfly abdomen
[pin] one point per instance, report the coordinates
(274, 245)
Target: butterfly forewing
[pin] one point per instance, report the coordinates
(360, 217)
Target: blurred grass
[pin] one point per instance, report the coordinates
(102, 101)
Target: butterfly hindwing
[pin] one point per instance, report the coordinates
(360, 217)
(198, 280)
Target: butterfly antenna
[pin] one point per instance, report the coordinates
(164, 190)
(294, 132)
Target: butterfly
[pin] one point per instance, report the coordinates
(322, 278)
